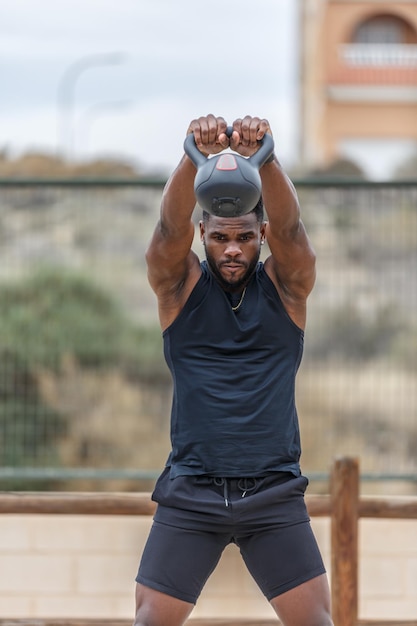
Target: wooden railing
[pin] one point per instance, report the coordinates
(344, 506)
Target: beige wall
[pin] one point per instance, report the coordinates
(84, 566)
(365, 120)
(325, 121)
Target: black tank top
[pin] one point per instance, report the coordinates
(233, 411)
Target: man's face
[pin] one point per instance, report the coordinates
(232, 246)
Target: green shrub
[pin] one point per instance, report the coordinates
(45, 319)
(54, 314)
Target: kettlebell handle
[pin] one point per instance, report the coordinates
(256, 160)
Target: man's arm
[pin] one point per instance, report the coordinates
(292, 256)
(173, 268)
(291, 265)
(172, 238)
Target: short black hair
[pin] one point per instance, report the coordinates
(258, 209)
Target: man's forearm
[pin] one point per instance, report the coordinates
(178, 199)
(280, 197)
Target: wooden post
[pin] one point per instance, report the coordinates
(344, 541)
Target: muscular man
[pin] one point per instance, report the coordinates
(233, 331)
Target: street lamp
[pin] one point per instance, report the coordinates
(66, 89)
(91, 115)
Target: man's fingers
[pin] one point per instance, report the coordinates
(209, 131)
(249, 131)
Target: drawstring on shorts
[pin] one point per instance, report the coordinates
(222, 482)
(245, 485)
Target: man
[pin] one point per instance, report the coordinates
(233, 333)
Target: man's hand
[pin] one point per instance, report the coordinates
(247, 133)
(209, 134)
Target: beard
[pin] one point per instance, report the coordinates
(232, 285)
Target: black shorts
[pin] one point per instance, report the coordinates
(197, 517)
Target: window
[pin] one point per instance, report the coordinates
(381, 30)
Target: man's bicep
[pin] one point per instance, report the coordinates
(167, 257)
(293, 262)
(170, 280)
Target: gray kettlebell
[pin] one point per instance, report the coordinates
(228, 184)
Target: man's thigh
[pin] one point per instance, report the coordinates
(309, 603)
(281, 558)
(178, 561)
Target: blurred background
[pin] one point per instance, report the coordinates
(95, 101)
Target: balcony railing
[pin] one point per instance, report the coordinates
(379, 55)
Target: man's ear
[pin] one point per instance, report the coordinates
(202, 231)
(263, 231)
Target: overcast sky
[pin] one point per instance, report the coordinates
(125, 77)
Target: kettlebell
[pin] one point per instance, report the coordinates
(228, 184)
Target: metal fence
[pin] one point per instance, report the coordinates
(84, 395)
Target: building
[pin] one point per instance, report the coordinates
(358, 85)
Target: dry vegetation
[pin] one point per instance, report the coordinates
(41, 165)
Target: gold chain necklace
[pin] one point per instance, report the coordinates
(235, 308)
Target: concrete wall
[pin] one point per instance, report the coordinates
(84, 566)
